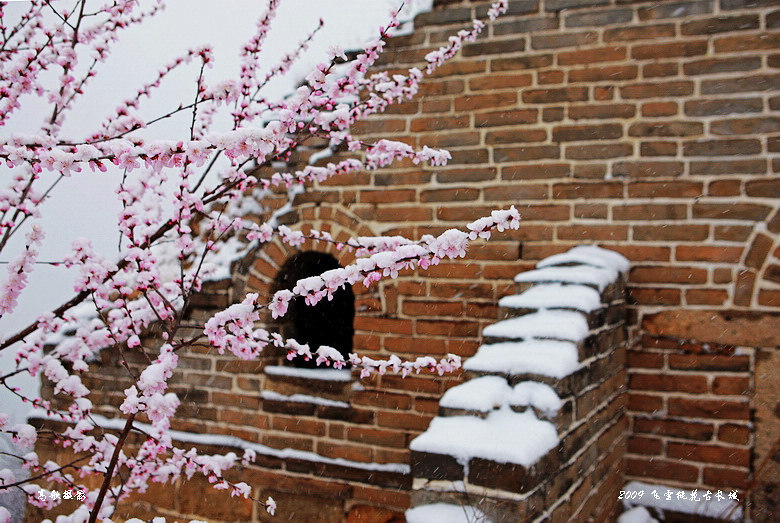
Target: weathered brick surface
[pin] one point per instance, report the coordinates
(647, 127)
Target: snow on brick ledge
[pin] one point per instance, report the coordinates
(494, 438)
(554, 296)
(546, 324)
(594, 276)
(556, 359)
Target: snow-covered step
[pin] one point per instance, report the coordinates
(482, 395)
(541, 388)
(561, 325)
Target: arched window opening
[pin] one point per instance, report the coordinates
(329, 322)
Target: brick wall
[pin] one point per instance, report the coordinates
(649, 128)
(646, 127)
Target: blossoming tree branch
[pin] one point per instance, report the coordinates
(53, 51)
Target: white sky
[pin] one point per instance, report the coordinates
(84, 204)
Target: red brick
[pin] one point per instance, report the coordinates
(763, 188)
(647, 360)
(526, 153)
(668, 382)
(572, 191)
(592, 232)
(549, 77)
(644, 445)
(632, 33)
(677, 429)
(665, 274)
(688, 232)
(720, 24)
(439, 123)
(496, 81)
(736, 43)
(554, 41)
(564, 94)
(474, 102)
(644, 402)
(709, 362)
(660, 69)
(514, 136)
(709, 253)
(669, 50)
(446, 195)
(671, 189)
(732, 233)
(373, 324)
(655, 296)
(653, 109)
(708, 453)
(571, 133)
(599, 151)
(759, 249)
(733, 433)
(658, 148)
(712, 409)
(649, 212)
(448, 328)
(432, 308)
(726, 478)
(643, 253)
(661, 469)
(514, 117)
(730, 385)
(371, 436)
(706, 296)
(657, 90)
(666, 128)
(602, 111)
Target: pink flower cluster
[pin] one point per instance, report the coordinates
(169, 238)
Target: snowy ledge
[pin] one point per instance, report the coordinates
(554, 296)
(233, 441)
(303, 398)
(588, 255)
(556, 359)
(504, 437)
(583, 275)
(310, 374)
(552, 324)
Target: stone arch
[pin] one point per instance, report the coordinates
(329, 322)
(268, 261)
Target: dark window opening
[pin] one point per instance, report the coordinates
(329, 322)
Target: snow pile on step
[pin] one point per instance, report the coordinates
(505, 436)
(481, 394)
(588, 255)
(546, 324)
(542, 343)
(539, 396)
(556, 359)
(597, 277)
(554, 296)
(445, 513)
(487, 393)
